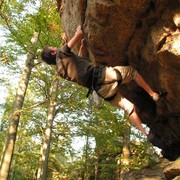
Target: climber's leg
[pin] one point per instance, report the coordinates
(134, 118)
(128, 73)
(121, 102)
(142, 83)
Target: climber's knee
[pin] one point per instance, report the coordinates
(132, 111)
(128, 107)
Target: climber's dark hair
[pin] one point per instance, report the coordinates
(47, 56)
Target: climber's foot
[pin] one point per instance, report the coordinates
(158, 95)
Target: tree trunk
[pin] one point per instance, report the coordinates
(7, 154)
(126, 147)
(86, 173)
(42, 171)
(96, 167)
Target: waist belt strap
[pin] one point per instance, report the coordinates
(96, 74)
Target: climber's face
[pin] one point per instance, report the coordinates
(48, 55)
(53, 50)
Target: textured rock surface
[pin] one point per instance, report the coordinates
(154, 173)
(173, 170)
(164, 170)
(145, 34)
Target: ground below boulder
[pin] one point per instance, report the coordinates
(164, 170)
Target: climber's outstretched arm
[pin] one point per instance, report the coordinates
(77, 37)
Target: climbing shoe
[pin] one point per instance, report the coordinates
(157, 96)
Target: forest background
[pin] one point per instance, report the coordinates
(58, 133)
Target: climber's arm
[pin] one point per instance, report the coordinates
(77, 36)
(83, 50)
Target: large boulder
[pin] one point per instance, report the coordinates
(144, 34)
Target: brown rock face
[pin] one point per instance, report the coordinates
(146, 35)
(173, 170)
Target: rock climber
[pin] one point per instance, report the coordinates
(102, 79)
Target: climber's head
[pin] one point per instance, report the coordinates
(48, 55)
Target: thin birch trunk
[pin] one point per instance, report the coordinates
(42, 171)
(7, 154)
(86, 174)
(96, 167)
(126, 148)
